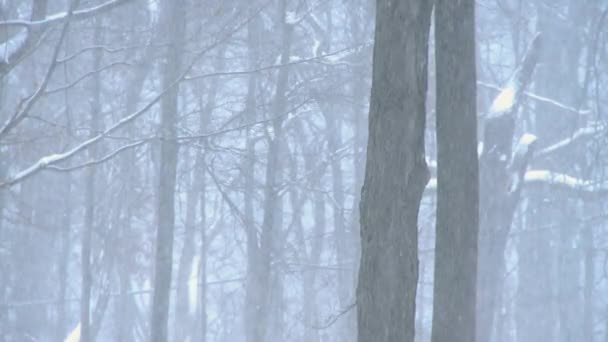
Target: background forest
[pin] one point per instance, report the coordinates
(214, 151)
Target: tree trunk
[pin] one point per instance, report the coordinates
(454, 291)
(125, 307)
(89, 215)
(174, 27)
(64, 260)
(501, 179)
(251, 296)
(395, 174)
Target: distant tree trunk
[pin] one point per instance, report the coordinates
(125, 304)
(174, 26)
(501, 179)
(89, 215)
(183, 319)
(201, 167)
(64, 259)
(260, 278)
(454, 288)
(251, 297)
(310, 256)
(550, 300)
(589, 283)
(269, 286)
(396, 173)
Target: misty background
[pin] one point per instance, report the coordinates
(216, 150)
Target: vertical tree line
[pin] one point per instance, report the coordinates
(302, 170)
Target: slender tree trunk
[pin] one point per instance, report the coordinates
(175, 30)
(125, 307)
(395, 174)
(589, 283)
(454, 295)
(64, 260)
(251, 295)
(89, 216)
(259, 292)
(183, 318)
(201, 167)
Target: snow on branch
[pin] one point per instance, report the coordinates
(564, 181)
(552, 179)
(16, 47)
(24, 108)
(10, 47)
(61, 16)
(45, 162)
(74, 335)
(538, 98)
(510, 95)
(582, 133)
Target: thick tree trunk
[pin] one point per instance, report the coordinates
(395, 174)
(454, 291)
(174, 26)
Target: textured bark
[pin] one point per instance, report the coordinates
(395, 174)
(174, 26)
(454, 291)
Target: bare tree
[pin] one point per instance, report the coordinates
(395, 173)
(174, 31)
(454, 294)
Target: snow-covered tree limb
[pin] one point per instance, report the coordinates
(554, 180)
(580, 134)
(61, 16)
(24, 108)
(566, 182)
(45, 162)
(28, 32)
(538, 98)
(509, 96)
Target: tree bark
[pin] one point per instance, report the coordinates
(396, 173)
(454, 291)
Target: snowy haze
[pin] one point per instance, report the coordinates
(216, 153)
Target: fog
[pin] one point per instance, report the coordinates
(192, 170)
